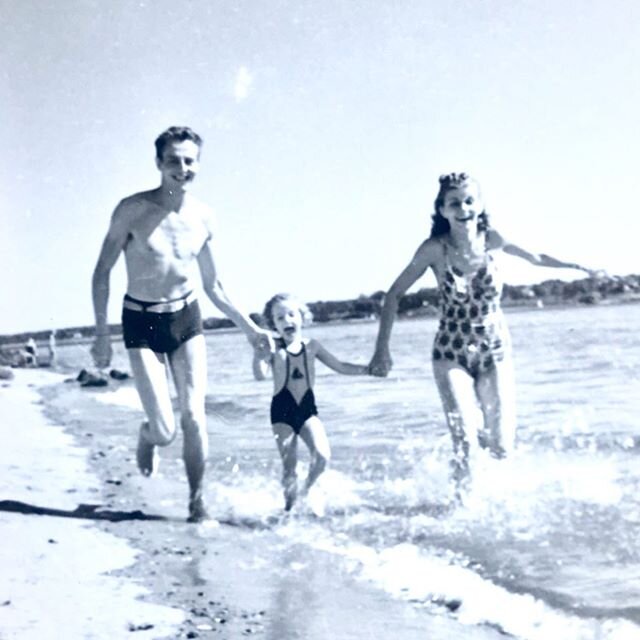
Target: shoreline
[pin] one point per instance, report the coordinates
(14, 341)
(162, 578)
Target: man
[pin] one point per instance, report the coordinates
(163, 234)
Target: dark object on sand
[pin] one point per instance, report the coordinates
(140, 627)
(88, 379)
(118, 375)
(82, 511)
(94, 381)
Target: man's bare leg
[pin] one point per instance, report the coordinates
(189, 367)
(147, 457)
(150, 376)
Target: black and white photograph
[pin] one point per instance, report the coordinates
(321, 320)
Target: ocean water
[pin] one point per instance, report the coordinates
(547, 544)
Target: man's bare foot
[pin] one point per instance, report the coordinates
(197, 510)
(146, 454)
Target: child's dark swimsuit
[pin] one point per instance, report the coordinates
(284, 407)
(160, 326)
(472, 332)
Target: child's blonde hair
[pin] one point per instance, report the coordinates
(267, 314)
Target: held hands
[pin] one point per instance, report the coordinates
(592, 273)
(263, 344)
(380, 364)
(102, 351)
(595, 273)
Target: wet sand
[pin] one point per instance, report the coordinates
(130, 566)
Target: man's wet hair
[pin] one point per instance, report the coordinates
(176, 134)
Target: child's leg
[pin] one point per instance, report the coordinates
(287, 442)
(315, 437)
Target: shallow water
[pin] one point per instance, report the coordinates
(546, 546)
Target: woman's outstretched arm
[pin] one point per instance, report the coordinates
(537, 259)
(381, 362)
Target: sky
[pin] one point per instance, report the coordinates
(326, 125)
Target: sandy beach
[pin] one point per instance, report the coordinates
(127, 564)
(59, 574)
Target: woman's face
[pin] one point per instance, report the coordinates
(462, 205)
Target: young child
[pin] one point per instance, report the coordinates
(293, 407)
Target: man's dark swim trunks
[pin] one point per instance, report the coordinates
(160, 326)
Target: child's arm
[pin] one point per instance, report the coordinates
(262, 356)
(327, 358)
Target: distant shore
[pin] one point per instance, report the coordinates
(550, 294)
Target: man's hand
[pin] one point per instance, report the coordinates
(102, 351)
(262, 342)
(264, 348)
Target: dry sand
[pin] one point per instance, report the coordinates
(56, 577)
(79, 577)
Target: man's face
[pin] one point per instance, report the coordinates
(179, 164)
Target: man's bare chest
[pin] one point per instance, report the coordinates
(174, 236)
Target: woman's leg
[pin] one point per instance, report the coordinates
(458, 396)
(497, 395)
(314, 436)
(287, 442)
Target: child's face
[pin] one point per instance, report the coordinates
(287, 320)
(179, 164)
(463, 205)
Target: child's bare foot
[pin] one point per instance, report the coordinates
(146, 454)
(290, 495)
(461, 481)
(197, 510)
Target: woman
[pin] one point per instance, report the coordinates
(471, 354)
